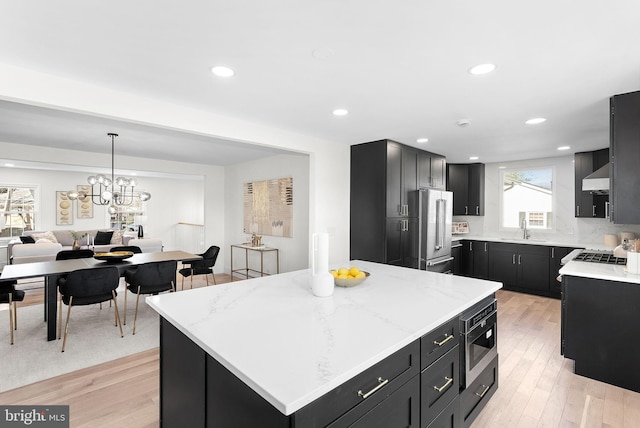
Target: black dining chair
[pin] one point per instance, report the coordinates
(201, 267)
(149, 278)
(74, 254)
(133, 248)
(87, 287)
(9, 294)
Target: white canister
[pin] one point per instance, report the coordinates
(322, 283)
(633, 262)
(611, 240)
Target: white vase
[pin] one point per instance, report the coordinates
(322, 284)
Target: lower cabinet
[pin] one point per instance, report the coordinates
(449, 417)
(474, 260)
(520, 267)
(475, 397)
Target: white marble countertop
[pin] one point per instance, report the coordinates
(599, 271)
(292, 347)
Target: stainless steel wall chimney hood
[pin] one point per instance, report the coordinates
(597, 182)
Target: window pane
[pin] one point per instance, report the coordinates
(18, 209)
(527, 196)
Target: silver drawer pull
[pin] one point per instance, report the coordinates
(486, 388)
(448, 379)
(448, 338)
(381, 383)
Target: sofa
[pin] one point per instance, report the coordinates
(39, 246)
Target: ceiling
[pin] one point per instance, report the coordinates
(400, 68)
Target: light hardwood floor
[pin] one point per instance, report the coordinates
(537, 387)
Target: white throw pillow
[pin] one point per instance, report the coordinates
(116, 238)
(46, 235)
(44, 241)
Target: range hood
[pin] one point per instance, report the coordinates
(597, 182)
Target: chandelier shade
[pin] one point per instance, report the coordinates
(115, 191)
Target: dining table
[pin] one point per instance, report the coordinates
(52, 270)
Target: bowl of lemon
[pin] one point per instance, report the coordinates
(348, 277)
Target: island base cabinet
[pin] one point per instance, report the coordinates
(182, 384)
(475, 396)
(400, 409)
(439, 385)
(449, 417)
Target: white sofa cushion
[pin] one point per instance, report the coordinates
(29, 253)
(46, 235)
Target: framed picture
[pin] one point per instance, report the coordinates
(64, 209)
(268, 207)
(84, 206)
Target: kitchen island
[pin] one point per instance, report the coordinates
(600, 307)
(266, 352)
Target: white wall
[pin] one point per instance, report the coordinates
(568, 228)
(328, 160)
(293, 251)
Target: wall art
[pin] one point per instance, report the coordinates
(84, 208)
(64, 209)
(268, 207)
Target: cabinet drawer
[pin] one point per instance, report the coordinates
(399, 409)
(439, 384)
(450, 416)
(366, 389)
(474, 398)
(436, 343)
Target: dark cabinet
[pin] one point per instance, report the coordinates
(599, 319)
(438, 172)
(556, 254)
(520, 267)
(466, 181)
(402, 242)
(587, 203)
(475, 397)
(474, 259)
(456, 253)
(625, 157)
(384, 218)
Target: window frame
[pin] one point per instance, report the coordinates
(36, 206)
(554, 205)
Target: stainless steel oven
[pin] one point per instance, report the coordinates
(479, 346)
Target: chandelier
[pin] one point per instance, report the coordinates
(115, 192)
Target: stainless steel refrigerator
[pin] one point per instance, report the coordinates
(435, 208)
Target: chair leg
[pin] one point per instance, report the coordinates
(59, 316)
(125, 304)
(115, 304)
(11, 305)
(206, 278)
(66, 326)
(182, 283)
(135, 316)
(191, 276)
(213, 275)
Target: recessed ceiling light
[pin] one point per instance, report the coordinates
(222, 71)
(422, 140)
(474, 158)
(340, 112)
(482, 69)
(535, 121)
(502, 167)
(9, 165)
(564, 148)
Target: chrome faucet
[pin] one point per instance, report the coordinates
(525, 232)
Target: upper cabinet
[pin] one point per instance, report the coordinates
(625, 158)
(466, 181)
(587, 203)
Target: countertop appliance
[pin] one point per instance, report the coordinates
(435, 212)
(479, 341)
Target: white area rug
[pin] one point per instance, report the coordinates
(93, 339)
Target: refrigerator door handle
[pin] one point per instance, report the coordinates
(439, 262)
(439, 237)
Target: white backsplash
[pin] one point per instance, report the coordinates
(568, 228)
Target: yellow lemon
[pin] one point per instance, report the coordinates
(334, 273)
(360, 274)
(341, 276)
(354, 271)
(343, 271)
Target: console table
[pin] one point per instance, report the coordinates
(245, 271)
